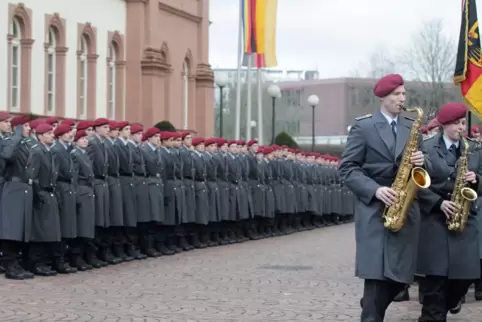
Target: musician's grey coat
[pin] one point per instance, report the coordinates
(441, 252)
(368, 163)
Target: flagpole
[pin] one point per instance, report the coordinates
(260, 106)
(249, 83)
(238, 74)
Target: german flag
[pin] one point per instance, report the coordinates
(468, 67)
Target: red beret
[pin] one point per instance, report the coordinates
(284, 147)
(475, 129)
(19, 120)
(432, 124)
(221, 142)
(197, 141)
(230, 142)
(4, 115)
(100, 121)
(166, 135)
(241, 142)
(210, 141)
(34, 123)
(183, 134)
(451, 112)
(122, 124)
(150, 133)
(43, 128)
(68, 122)
(62, 129)
(275, 146)
(136, 128)
(113, 125)
(51, 120)
(260, 150)
(252, 142)
(84, 125)
(387, 84)
(80, 134)
(268, 150)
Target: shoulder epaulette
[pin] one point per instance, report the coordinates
(34, 146)
(429, 136)
(409, 118)
(73, 151)
(91, 138)
(470, 139)
(363, 117)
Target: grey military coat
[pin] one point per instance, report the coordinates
(442, 252)
(368, 163)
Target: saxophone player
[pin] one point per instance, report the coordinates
(448, 257)
(386, 260)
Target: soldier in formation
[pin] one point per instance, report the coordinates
(79, 196)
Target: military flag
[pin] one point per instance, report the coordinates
(468, 67)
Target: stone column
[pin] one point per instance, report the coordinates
(204, 100)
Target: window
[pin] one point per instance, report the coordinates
(15, 66)
(51, 62)
(111, 88)
(83, 77)
(185, 89)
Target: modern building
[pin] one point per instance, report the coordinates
(139, 60)
(268, 75)
(344, 99)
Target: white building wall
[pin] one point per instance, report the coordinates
(104, 15)
(3, 54)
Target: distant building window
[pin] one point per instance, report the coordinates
(51, 73)
(15, 66)
(83, 77)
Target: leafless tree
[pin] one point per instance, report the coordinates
(430, 59)
(380, 63)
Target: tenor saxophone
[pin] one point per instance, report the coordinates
(407, 180)
(462, 195)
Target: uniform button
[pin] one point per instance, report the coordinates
(26, 191)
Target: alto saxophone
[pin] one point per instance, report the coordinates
(462, 196)
(407, 180)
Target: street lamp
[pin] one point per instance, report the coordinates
(275, 92)
(221, 81)
(313, 100)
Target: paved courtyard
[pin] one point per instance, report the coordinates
(301, 277)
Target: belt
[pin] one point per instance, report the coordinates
(70, 181)
(48, 189)
(84, 182)
(126, 175)
(113, 175)
(17, 179)
(100, 177)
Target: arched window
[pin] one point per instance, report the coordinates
(15, 63)
(83, 77)
(111, 81)
(185, 92)
(51, 70)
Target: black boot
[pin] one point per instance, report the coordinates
(478, 290)
(92, 259)
(183, 244)
(132, 251)
(403, 296)
(119, 252)
(105, 255)
(78, 262)
(14, 271)
(62, 267)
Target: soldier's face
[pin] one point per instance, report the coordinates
(67, 137)
(47, 138)
(89, 131)
(224, 148)
(83, 142)
(125, 133)
(177, 142)
(233, 148)
(103, 130)
(188, 140)
(255, 148)
(137, 137)
(455, 130)
(114, 133)
(394, 102)
(26, 130)
(5, 126)
(201, 147)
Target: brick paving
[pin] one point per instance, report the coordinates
(306, 276)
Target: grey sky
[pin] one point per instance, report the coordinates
(333, 36)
